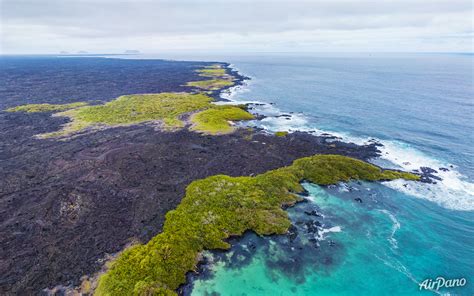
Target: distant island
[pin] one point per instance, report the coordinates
(131, 51)
(84, 52)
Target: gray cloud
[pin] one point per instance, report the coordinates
(96, 22)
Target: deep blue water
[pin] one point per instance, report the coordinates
(420, 107)
(423, 100)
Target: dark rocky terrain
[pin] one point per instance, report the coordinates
(65, 205)
(43, 79)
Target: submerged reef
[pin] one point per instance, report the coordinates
(218, 207)
(133, 109)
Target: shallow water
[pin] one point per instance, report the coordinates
(420, 107)
(371, 248)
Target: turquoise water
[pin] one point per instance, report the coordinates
(369, 248)
(420, 107)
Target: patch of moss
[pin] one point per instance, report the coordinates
(131, 109)
(215, 120)
(331, 169)
(211, 72)
(281, 134)
(30, 108)
(139, 108)
(211, 84)
(217, 207)
(219, 78)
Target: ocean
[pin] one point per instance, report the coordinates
(420, 108)
(356, 238)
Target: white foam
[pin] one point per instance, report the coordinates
(453, 192)
(395, 226)
(291, 123)
(343, 187)
(332, 229)
(323, 231)
(232, 92)
(310, 198)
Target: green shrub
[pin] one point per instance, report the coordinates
(132, 109)
(219, 78)
(217, 207)
(211, 84)
(281, 134)
(166, 107)
(212, 72)
(215, 120)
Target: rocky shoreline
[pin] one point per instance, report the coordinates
(67, 205)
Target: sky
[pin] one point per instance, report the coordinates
(154, 26)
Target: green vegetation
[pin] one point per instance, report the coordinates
(330, 169)
(131, 109)
(216, 119)
(166, 107)
(218, 75)
(211, 84)
(281, 134)
(139, 108)
(217, 207)
(211, 72)
(46, 107)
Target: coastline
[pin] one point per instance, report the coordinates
(103, 284)
(280, 151)
(444, 184)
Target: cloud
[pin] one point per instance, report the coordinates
(53, 25)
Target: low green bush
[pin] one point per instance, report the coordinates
(215, 120)
(211, 72)
(281, 134)
(211, 84)
(217, 207)
(132, 109)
